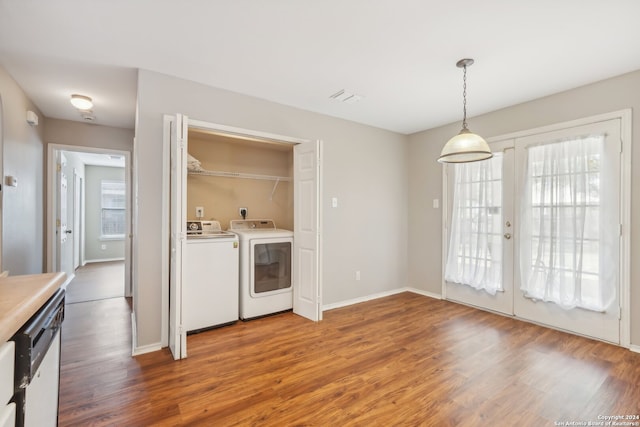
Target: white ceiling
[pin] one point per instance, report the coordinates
(399, 55)
(96, 159)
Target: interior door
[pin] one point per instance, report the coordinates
(502, 244)
(63, 242)
(306, 242)
(178, 137)
(598, 323)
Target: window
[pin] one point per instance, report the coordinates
(113, 219)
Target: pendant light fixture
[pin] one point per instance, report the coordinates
(465, 146)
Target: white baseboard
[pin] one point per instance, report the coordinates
(135, 350)
(150, 348)
(424, 293)
(89, 261)
(378, 295)
(634, 348)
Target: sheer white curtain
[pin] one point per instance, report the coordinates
(475, 243)
(567, 225)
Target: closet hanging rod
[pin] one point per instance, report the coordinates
(239, 175)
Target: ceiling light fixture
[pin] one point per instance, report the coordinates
(81, 102)
(465, 146)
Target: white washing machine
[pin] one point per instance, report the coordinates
(211, 273)
(265, 267)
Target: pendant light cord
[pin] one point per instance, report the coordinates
(464, 97)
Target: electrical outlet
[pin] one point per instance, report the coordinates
(199, 211)
(243, 212)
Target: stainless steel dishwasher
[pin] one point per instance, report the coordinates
(37, 368)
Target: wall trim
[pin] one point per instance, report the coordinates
(378, 295)
(90, 261)
(150, 348)
(365, 298)
(635, 348)
(424, 293)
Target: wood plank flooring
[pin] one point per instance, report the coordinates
(96, 281)
(404, 360)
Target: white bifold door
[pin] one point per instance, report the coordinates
(178, 132)
(534, 232)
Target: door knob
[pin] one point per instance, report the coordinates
(507, 236)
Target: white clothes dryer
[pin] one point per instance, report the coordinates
(265, 267)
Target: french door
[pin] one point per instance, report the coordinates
(535, 231)
(479, 260)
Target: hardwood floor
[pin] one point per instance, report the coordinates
(403, 360)
(96, 281)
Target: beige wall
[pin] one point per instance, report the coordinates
(365, 167)
(425, 174)
(66, 132)
(221, 197)
(23, 157)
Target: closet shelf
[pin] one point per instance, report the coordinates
(239, 175)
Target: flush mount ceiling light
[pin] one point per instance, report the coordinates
(81, 102)
(465, 146)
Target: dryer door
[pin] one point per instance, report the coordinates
(270, 262)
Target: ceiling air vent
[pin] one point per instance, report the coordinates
(346, 97)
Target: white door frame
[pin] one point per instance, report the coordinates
(166, 203)
(52, 150)
(625, 206)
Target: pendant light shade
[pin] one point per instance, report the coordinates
(465, 146)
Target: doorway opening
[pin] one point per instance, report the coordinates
(89, 221)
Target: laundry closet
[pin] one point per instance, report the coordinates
(223, 268)
(240, 173)
(242, 186)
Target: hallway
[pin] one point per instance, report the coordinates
(97, 281)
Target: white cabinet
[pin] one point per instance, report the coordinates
(7, 360)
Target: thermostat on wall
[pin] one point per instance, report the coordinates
(11, 181)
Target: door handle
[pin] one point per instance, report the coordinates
(68, 231)
(507, 236)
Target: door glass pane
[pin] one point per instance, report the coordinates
(561, 229)
(272, 266)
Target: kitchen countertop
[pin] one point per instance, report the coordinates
(22, 296)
